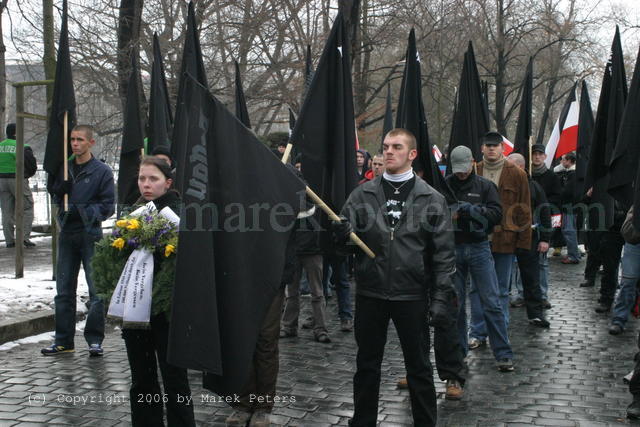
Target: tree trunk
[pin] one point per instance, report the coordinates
(49, 54)
(361, 61)
(501, 124)
(3, 72)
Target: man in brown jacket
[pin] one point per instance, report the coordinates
(513, 232)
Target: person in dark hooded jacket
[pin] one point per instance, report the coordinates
(309, 256)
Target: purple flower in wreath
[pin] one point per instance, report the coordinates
(134, 243)
(115, 232)
(148, 218)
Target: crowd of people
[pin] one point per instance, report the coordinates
(488, 249)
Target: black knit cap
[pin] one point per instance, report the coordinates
(161, 149)
(11, 131)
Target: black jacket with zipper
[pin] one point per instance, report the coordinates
(415, 259)
(92, 197)
(482, 193)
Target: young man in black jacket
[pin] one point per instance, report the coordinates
(91, 196)
(566, 172)
(407, 224)
(478, 211)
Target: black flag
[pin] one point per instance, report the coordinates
(523, 129)
(132, 142)
(241, 103)
(192, 64)
(325, 130)
(308, 69)
(292, 121)
(470, 122)
(613, 98)
(585, 135)
(160, 118)
(64, 100)
(624, 162)
(410, 115)
(240, 203)
(387, 125)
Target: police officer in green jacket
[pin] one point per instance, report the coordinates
(8, 187)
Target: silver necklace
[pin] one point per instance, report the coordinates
(397, 189)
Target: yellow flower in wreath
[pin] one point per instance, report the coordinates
(122, 223)
(118, 243)
(133, 224)
(169, 249)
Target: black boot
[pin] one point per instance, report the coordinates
(588, 283)
(603, 307)
(633, 410)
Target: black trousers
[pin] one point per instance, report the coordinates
(529, 266)
(634, 384)
(610, 253)
(260, 389)
(594, 261)
(146, 350)
(371, 324)
(447, 347)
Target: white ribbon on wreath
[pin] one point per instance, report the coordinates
(131, 300)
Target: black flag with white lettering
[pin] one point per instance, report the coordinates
(240, 205)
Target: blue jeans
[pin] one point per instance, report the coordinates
(515, 286)
(475, 259)
(73, 249)
(341, 283)
(626, 296)
(544, 275)
(570, 236)
(503, 266)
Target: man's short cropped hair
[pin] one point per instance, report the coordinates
(87, 129)
(411, 139)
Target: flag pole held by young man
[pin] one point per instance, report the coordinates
(331, 214)
(65, 156)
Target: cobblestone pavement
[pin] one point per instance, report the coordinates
(568, 375)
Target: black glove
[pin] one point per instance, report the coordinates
(73, 213)
(66, 186)
(341, 230)
(464, 208)
(438, 313)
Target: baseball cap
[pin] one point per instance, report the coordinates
(461, 159)
(538, 148)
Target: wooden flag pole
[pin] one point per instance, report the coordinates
(530, 155)
(354, 238)
(287, 153)
(65, 155)
(331, 214)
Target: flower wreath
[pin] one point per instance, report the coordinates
(149, 231)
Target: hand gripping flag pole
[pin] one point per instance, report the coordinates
(331, 214)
